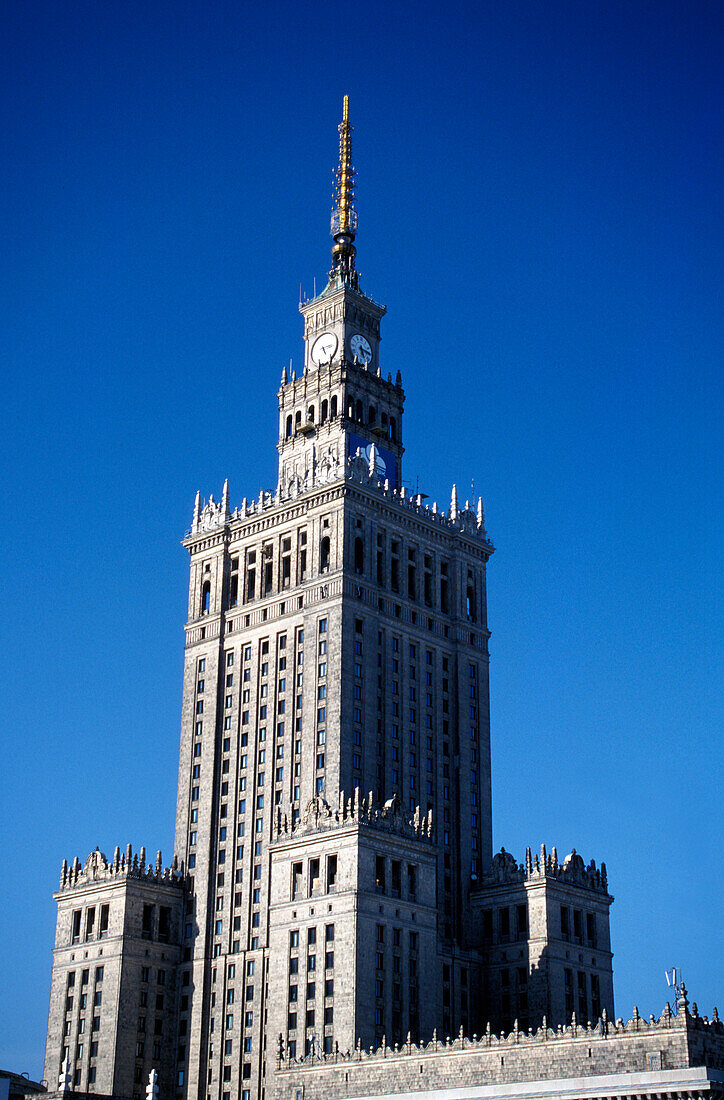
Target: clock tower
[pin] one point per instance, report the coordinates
(342, 403)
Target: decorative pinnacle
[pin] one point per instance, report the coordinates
(344, 216)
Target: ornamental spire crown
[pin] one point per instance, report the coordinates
(344, 215)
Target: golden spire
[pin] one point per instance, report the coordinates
(344, 216)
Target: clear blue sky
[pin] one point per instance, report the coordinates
(538, 187)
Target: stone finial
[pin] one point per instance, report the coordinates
(284, 375)
(398, 379)
(142, 858)
(159, 861)
(454, 503)
(129, 857)
(528, 862)
(225, 500)
(373, 460)
(63, 872)
(294, 376)
(65, 1079)
(197, 509)
(682, 1000)
(554, 859)
(481, 514)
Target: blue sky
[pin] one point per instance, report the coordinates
(538, 189)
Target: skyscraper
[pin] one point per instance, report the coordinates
(336, 653)
(333, 879)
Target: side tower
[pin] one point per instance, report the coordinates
(544, 930)
(336, 642)
(113, 990)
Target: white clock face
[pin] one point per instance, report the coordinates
(361, 348)
(324, 348)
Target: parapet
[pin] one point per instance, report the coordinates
(327, 470)
(685, 1021)
(318, 816)
(127, 865)
(505, 869)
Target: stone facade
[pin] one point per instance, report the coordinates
(113, 991)
(544, 932)
(638, 1058)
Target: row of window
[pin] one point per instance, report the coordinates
(299, 421)
(84, 925)
(577, 999)
(419, 576)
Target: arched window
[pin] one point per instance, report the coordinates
(297, 421)
(310, 414)
(372, 415)
(393, 429)
(334, 407)
(206, 598)
(324, 555)
(350, 409)
(360, 413)
(289, 425)
(359, 556)
(324, 412)
(384, 423)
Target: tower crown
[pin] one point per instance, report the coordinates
(341, 403)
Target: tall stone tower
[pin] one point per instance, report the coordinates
(334, 782)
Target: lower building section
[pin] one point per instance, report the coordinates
(352, 959)
(678, 1056)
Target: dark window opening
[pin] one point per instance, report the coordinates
(359, 556)
(380, 874)
(324, 555)
(470, 608)
(164, 923)
(147, 926)
(313, 877)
